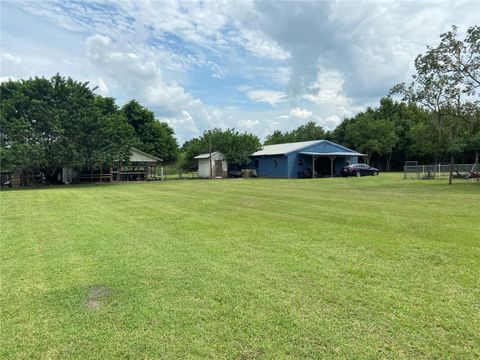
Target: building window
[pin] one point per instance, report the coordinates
(255, 164)
(300, 162)
(275, 163)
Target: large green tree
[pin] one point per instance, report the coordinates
(306, 132)
(472, 132)
(237, 147)
(398, 120)
(153, 136)
(446, 83)
(373, 136)
(48, 123)
(460, 59)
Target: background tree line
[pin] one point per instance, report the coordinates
(49, 123)
(387, 134)
(437, 119)
(307, 132)
(446, 84)
(59, 122)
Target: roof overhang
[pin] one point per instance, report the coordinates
(336, 153)
(144, 156)
(205, 156)
(285, 148)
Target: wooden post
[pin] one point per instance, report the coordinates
(313, 166)
(332, 158)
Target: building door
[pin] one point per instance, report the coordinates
(218, 168)
(322, 166)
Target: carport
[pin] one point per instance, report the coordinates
(332, 156)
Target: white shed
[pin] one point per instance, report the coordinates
(219, 165)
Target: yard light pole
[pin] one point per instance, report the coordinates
(210, 154)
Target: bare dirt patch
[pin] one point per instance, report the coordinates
(96, 297)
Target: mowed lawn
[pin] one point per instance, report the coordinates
(242, 269)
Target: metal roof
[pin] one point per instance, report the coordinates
(140, 156)
(337, 153)
(205, 156)
(282, 149)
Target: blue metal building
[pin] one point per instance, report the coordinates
(318, 158)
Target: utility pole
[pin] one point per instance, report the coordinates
(210, 153)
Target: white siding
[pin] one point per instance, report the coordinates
(204, 165)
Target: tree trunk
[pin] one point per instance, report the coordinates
(450, 178)
(477, 165)
(23, 178)
(439, 129)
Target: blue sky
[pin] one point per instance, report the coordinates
(254, 66)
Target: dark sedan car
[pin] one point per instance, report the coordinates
(359, 170)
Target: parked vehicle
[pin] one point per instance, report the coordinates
(234, 171)
(359, 170)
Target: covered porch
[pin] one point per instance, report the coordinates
(330, 164)
(141, 167)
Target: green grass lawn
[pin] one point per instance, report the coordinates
(240, 269)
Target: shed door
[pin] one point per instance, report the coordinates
(218, 168)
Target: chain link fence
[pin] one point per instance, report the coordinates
(438, 171)
(173, 172)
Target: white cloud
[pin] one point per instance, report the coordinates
(6, 57)
(7, 78)
(330, 122)
(186, 122)
(373, 44)
(248, 123)
(327, 89)
(266, 96)
(261, 45)
(102, 87)
(300, 113)
(187, 60)
(142, 79)
(327, 95)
